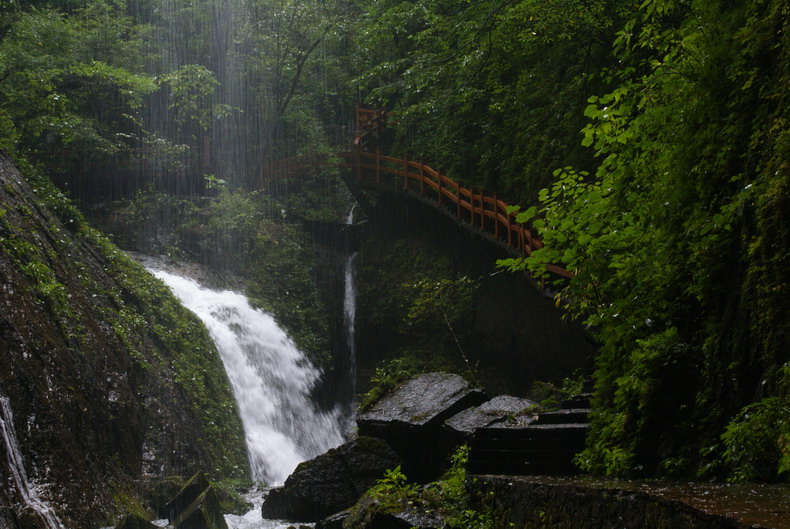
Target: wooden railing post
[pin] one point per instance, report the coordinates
(482, 209)
(509, 230)
(472, 202)
(405, 172)
(422, 177)
(496, 216)
(439, 178)
(358, 163)
(458, 199)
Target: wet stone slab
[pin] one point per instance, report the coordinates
(504, 410)
(426, 399)
(589, 503)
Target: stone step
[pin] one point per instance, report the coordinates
(567, 443)
(535, 431)
(537, 456)
(521, 468)
(564, 416)
(581, 400)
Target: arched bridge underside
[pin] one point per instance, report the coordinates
(477, 210)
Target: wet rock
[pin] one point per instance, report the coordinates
(330, 482)
(407, 520)
(28, 518)
(410, 419)
(334, 521)
(196, 506)
(369, 513)
(503, 410)
(158, 491)
(134, 521)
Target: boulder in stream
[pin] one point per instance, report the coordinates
(196, 506)
(330, 482)
(410, 419)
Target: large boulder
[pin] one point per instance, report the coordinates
(410, 419)
(330, 482)
(196, 506)
(504, 410)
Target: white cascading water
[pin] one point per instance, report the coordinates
(271, 380)
(350, 314)
(26, 489)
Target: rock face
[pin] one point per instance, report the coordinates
(107, 375)
(330, 482)
(504, 410)
(410, 419)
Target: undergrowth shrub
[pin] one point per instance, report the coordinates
(757, 441)
(446, 498)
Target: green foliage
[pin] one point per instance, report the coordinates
(127, 502)
(77, 89)
(446, 498)
(756, 441)
(456, 77)
(550, 397)
(387, 377)
(441, 302)
(668, 238)
(434, 304)
(192, 89)
(393, 490)
(451, 498)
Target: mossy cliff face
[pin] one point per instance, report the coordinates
(109, 378)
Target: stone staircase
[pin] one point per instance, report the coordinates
(545, 446)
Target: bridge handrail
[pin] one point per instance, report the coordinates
(482, 210)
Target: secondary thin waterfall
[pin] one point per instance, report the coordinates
(271, 380)
(350, 314)
(26, 489)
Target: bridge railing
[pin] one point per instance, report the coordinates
(479, 209)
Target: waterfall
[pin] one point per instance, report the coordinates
(349, 318)
(271, 380)
(27, 490)
(350, 315)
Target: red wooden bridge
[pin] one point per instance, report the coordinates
(477, 210)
